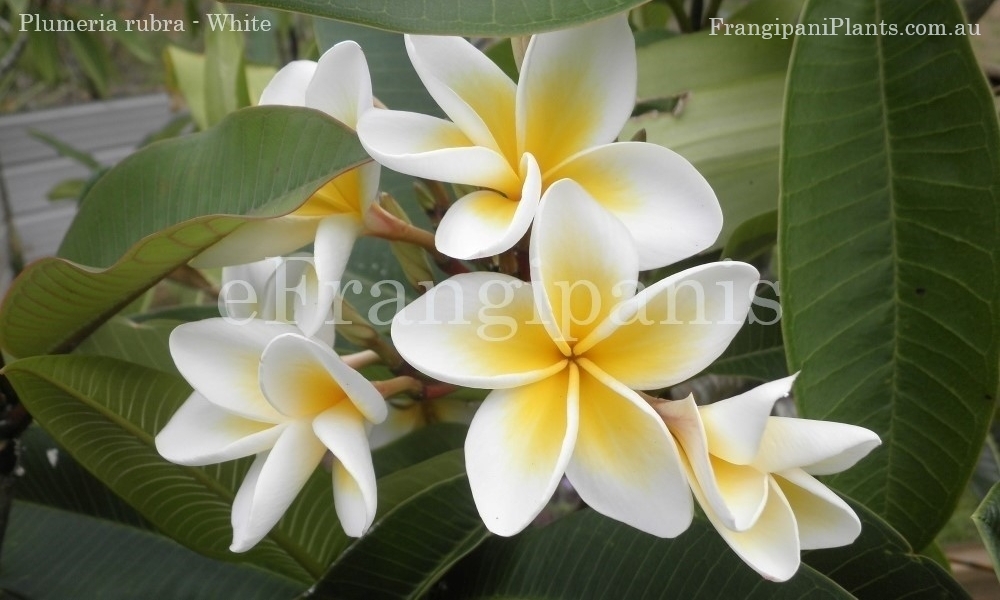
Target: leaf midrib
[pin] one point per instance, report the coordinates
(891, 449)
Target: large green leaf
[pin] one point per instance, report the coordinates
(53, 555)
(587, 555)
(888, 244)
(105, 412)
(881, 564)
(494, 18)
(52, 477)
(426, 522)
(162, 206)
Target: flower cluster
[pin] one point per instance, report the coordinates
(568, 342)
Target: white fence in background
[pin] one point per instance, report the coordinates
(108, 130)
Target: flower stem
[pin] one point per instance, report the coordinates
(380, 223)
(360, 360)
(404, 384)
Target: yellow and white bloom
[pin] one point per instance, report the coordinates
(576, 90)
(563, 355)
(266, 390)
(753, 474)
(333, 217)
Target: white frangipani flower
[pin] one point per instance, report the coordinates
(264, 389)
(753, 475)
(333, 217)
(575, 92)
(563, 355)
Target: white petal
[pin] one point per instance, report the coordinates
(272, 484)
(664, 202)
(735, 426)
(824, 520)
(341, 86)
(625, 464)
(485, 223)
(771, 546)
(584, 259)
(257, 240)
(517, 449)
(243, 288)
(675, 328)
(335, 239)
(342, 430)
(220, 360)
(302, 378)
(576, 90)
(288, 86)
(433, 148)
(477, 330)
(470, 88)
(819, 447)
(736, 493)
(200, 433)
(288, 287)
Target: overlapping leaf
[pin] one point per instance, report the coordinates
(52, 477)
(889, 251)
(426, 522)
(881, 564)
(52, 555)
(588, 556)
(162, 206)
(493, 18)
(105, 412)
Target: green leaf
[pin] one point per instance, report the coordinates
(888, 246)
(140, 343)
(64, 149)
(42, 54)
(756, 351)
(587, 555)
(492, 18)
(106, 412)
(753, 238)
(225, 72)
(426, 522)
(135, 42)
(881, 564)
(51, 554)
(52, 477)
(162, 206)
(258, 76)
(418, 446)
(186, 76)
(987, 520)
(93, 57)
(67, 189)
